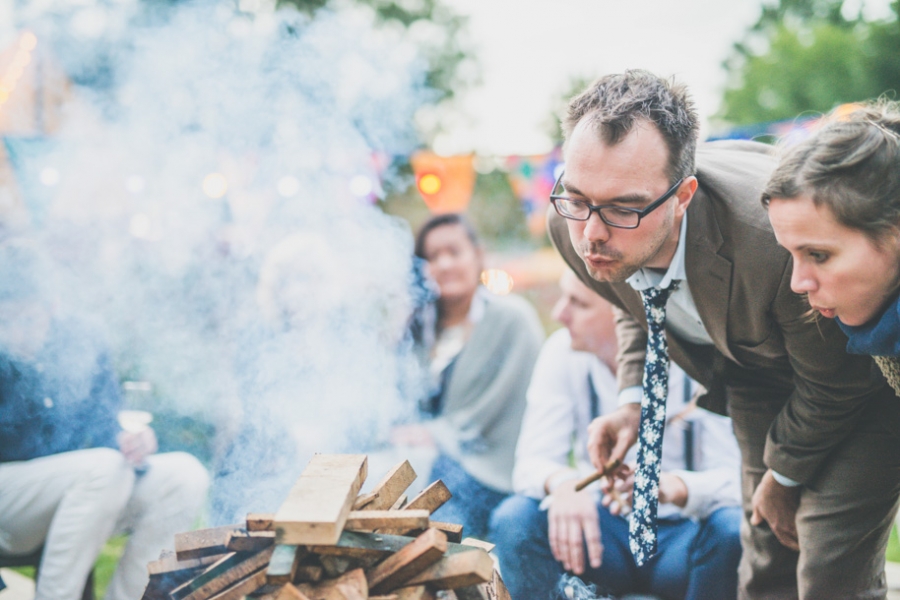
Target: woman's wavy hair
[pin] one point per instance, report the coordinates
(852, 166)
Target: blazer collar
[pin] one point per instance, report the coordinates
(708, 272)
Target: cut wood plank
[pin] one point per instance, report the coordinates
(283, 565)
(289, 592)
(260, 522)
(362, 500)
(500, 591)
(249, 541)
(400, 503)
(243, 587)
(452, 530)
(203, 542)
(405, 564)
(373, 520)
(391, 487)
(419, 592)
(461, 569)
(476, 543)
(220, 576)
(431, 498)
(320, 501)
(363, 545)
(169, 563)
(350, 586)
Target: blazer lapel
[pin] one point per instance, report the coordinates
(708, 273)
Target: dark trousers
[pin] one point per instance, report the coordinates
(845, 513)
(696, 560)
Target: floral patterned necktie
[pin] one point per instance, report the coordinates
(643, 525)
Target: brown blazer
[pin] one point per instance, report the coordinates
(765, 346)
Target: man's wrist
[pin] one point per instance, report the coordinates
(558, 478)
(785, 481)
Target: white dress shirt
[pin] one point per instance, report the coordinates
(558, 413)
(681, 315)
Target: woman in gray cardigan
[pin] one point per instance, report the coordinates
(479, 355)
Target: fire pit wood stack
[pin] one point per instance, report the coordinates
(329, 542)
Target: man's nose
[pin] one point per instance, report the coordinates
(559, 312)
(595, 229)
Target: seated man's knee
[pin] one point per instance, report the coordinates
(179, 474)
(722, 531)
(106, 474)
(517, 519)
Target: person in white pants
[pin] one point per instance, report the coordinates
(70, 477)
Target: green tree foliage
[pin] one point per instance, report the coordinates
(809, 56)
(435, 27)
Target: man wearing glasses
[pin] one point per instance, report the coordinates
(681, 246)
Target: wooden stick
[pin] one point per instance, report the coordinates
(350, 586)
(461, 569)
(223, 575)
(243, 587)
(372, 520)
(318, 505)
(391, 487)
(608, 468)
(431, 498)
(260, 522)
(249, 541)
(402, 566)
(203, 542)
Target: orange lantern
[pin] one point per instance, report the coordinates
(445, 182)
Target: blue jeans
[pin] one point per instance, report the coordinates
(472, 501)
(696, 560)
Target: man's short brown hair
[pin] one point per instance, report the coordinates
(614, 103)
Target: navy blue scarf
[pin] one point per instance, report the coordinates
(879, 337)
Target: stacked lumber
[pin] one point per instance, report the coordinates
(329, 542)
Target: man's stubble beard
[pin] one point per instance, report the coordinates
(626, 269)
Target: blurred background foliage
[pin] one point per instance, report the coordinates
(438, 30)
(809, 56)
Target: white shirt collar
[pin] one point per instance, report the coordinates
(647, 278)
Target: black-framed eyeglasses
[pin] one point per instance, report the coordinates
(623, 217)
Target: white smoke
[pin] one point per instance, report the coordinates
(209, 196)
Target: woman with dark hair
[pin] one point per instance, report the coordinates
(834, 203)
(479, 352)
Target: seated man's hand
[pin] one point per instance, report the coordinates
(573, 521)
(672, 490)
(618, 491)
(610, 436)
(777, 505)
(137, 445)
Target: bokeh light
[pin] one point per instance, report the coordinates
(215, 185)
(497, 281)
(430, 184)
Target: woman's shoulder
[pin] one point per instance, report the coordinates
(511, 306)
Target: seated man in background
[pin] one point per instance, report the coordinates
(70, 477)
(699, 492)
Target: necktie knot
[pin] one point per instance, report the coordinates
(655, 299)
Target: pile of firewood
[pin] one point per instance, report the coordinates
(328, 542)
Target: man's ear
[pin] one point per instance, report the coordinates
(685, 194)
